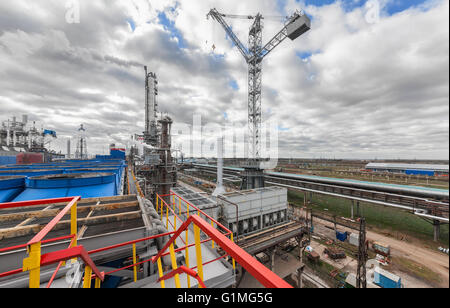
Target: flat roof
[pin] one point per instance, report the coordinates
(408, 166)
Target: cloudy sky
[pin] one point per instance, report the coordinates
(371, 78)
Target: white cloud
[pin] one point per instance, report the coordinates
(368, 90)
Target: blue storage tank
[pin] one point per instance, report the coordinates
(86, 185)
(117, 171)
(10, 187)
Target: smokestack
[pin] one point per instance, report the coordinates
(68, 148)
(219, 187)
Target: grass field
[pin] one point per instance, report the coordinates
(395, 222)
(417, 270)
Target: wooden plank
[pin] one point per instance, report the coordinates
(34, 229)
(45, 213)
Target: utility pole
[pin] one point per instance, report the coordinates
(361, 281)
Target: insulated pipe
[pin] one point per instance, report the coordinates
(408, 208)
(161, 241)
(159, 227)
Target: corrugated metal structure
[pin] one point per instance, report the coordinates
(419, 169)
(258, 209)
(207, 205)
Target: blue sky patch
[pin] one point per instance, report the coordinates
(392, 7)
(233, 84)
(303, 55)
(130, 21)
(283, 129)
(170, 26)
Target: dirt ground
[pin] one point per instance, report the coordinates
(433, 260)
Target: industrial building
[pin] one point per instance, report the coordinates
(129, 220)
(410, 169)
(23, 142)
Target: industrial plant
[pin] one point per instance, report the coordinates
(148, 215)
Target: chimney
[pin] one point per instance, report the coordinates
(219, 187)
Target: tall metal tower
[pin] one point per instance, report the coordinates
(151, 109)
(81, 152)
(295, 26)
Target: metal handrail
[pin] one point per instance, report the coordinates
(186, 270)
(265, 276)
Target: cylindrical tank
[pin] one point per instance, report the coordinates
(116, 171)
(30, 172)
(10, 187)
(86, 185)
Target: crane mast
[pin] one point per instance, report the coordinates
(295, 26)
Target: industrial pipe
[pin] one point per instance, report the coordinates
(408, 208)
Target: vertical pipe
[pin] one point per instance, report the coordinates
(87, 277)
(73, 223)
(134, 262)
(436, 230)
(33, 265)
(234, 263)
(174, 266)
(167, 217)
(161, 273)
(187, 257)
(212, 242)
(198, 250)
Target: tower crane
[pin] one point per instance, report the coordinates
(295, 26)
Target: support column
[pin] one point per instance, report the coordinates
(272, 260)
(353, 205)
(358, 212)
(300, 276)
(436, 230)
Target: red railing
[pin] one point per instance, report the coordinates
(261, 273)
(35, 259)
